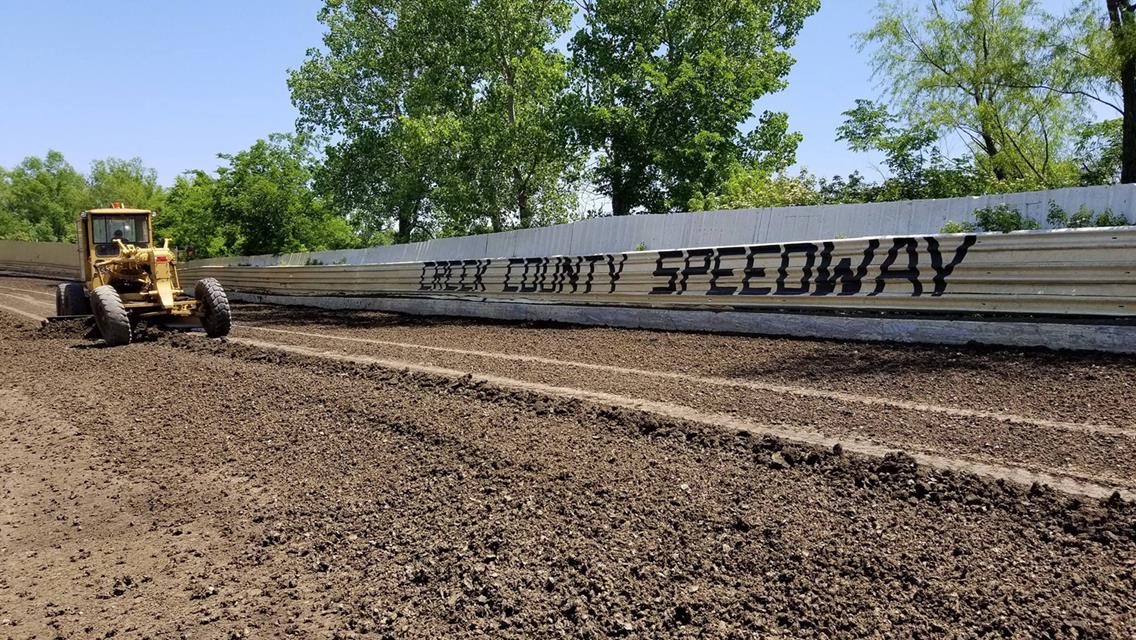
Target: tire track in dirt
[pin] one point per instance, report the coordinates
(1059, 386)
(1101, 458)
(38, 292)
(22, 313)
(728, 382)
(29, 300)
(1068, 483)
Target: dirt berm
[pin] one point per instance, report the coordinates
(227, 490)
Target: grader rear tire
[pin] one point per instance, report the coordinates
(70, 300)
(217, 318)
(110, 316)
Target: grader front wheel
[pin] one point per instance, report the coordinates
(216, 317)
(110, 316)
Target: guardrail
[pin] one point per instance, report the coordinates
(1085, 272)
(1072, 289)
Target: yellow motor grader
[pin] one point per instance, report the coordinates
(127, 278)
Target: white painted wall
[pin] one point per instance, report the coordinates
(720, 228)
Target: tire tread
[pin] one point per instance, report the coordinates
(110, 316)
(217, 318)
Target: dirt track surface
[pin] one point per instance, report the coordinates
(228, 488)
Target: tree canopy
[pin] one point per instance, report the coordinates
(429, 118)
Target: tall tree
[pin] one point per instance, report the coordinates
(1122, 27)
(48, 194)
(1099, 54)
(919, 169)
(665, 85)
(265, 193)
(189, 218)
(130, 182)
(980, 68)
(445, 113)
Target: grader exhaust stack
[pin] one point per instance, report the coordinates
(126, 278)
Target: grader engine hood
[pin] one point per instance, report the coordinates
(153, 266)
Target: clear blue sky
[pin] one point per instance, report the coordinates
(177, 81)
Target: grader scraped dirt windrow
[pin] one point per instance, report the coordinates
(127, 279)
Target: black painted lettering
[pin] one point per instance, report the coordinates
(591, 260)
(910, 273)
(570, 273)
(422, 286)
(807, 248)
(704, 257)
(536, 274)
(547, 285)
(478, 282)
(615, 273)
(670, 273)
(942, 272)
(509, 274)
(752, 272)
(719, 272)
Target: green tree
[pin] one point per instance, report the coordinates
(664, 87)
(918, 168)
(265, 194)
(189, 218)
(752, 187)
(1121, 68)
(130, 182)
(981, 68)
(45, 196)
(1098, 54)
(447, 115)
(1099, 152)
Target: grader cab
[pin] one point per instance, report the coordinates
(127, 278)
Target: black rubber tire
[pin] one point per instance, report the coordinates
(61, 308)
(70, 300)
(216, 316)
(110, 316)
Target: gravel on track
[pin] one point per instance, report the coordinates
(236, 490)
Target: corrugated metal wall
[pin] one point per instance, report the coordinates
(1085, 272)
(718, 228)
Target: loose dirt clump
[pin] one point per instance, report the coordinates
(76, 328)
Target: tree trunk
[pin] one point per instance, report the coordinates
(620, 198)
(406, 216)
(524, 206)
(991, 148)
(1120, 17)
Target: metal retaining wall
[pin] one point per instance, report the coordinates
(1071, 289)
(718, 228)
(1086, 272)
(57, 259)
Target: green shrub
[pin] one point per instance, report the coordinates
(1057, 217)
(957, 227)
(1003, 218)
(1109, 219)
(1085, 217)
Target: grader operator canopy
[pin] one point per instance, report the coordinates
(129, 229)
